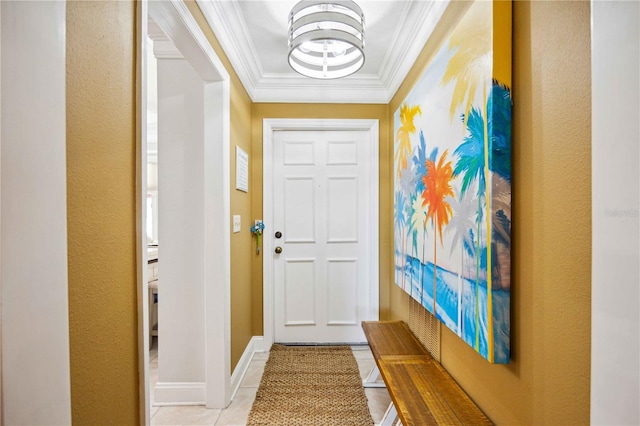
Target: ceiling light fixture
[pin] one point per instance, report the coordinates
(326, 38)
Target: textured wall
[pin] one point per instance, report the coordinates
(101, 212)
(547, 381)
(242, 245)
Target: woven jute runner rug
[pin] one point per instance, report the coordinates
(310, 386)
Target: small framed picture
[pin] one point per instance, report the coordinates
(242, 170)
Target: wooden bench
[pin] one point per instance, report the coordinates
(421, 390)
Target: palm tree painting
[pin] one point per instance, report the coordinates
(437, 187)
(460, 224)
(403, 135)
(399, 225)
(453, 210)
(407, 183)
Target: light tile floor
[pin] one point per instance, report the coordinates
(237, 412)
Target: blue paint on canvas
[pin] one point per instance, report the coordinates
(452, 200)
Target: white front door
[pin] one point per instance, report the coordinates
(322, 222)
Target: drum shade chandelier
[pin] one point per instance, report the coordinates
(326, 38)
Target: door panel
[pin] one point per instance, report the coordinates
(342, 209)
(299, 292)
(322, 279)
(342, 278)
(299, 209)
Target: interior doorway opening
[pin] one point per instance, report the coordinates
(193, 120)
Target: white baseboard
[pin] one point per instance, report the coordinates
(194, 393)
(180, 393)
(263, 345)
(255, 345)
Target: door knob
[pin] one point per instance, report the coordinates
(278, 249)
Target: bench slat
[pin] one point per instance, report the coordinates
(422, 391)
(391, 338)
(464, 408)
(416, 382)
(405, 393)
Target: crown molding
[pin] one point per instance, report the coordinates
(226, 20)
(422, 19)
(298, 89)
(229, 27)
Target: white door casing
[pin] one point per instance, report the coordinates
(176, 21)
(324, 173)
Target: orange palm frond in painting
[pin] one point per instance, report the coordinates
(437, 183)
(403, 135)
(437, 187)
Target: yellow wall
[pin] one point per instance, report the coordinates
(101, 196)
(101, 169)
(242, 246)
(350, 111)
(548, 379)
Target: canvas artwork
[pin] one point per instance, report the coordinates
(452, 165)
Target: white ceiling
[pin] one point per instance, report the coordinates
(253, 34)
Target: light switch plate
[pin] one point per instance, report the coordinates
(236, 223)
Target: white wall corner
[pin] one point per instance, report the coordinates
(615, 269)
(34, 275)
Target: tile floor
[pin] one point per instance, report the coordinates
(237, 412)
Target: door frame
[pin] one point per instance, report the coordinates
(269, 127)
(175, 19)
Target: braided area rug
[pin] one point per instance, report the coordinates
(313, 385)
